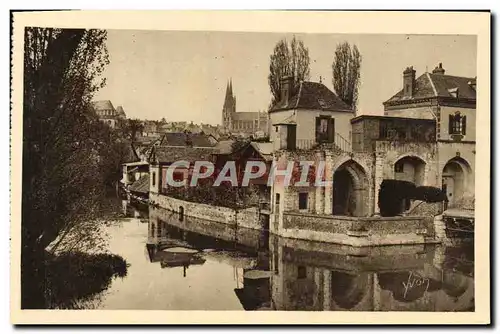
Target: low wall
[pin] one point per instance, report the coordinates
(358, 231)
(248, 218)
(241, 235)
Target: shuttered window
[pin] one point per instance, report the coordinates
(325, 129)
(457, 124)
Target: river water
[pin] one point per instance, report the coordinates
(197, 265)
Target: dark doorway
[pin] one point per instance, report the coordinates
(291, 137)
(343, 186)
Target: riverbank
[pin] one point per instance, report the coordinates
(68, 279)
(71, 280)
(247, 217)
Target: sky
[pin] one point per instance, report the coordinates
(182, 76)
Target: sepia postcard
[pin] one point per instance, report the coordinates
(250, 167)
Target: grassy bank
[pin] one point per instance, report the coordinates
(74, 280)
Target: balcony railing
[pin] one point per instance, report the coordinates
(343, 144)
(340, 144)
(306, 144)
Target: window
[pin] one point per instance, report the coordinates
(277, 206)
(457, 124)
(399, 167)
(301, 272)
(323, 125)
(303, 201)
(276, 129)
(154, 179)
(322, 103)
(325, 129)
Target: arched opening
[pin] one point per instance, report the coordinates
(350, 188)
(347, 289)
(410, 169)
(343, 203)
(456, 178)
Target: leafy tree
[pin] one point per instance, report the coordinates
(64, 149)
(394, 197)
(346, 73)
(288, 60)
(131, 128)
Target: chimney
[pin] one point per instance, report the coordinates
(408, 81)
(286, 88)
(439, 69)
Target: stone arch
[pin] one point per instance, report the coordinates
(350, 189)
(455, 285)
(348, 290)
(410, 167)
(457, 179)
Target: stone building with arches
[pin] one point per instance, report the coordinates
(108, 114)
(449, 101)
(424, 137)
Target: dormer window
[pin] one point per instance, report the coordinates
(453, 92)
(322, 103)
(457, 124)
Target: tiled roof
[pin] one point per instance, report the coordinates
(313, 95)
(187, 139)
(225, 146)
(103, 105)
(430, 85)
(265, 149)
(120, 111)
(141, 185)
(444, 83)
(169, 154)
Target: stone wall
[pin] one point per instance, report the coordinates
(423, 209)
(358, 231)
(392, 151)
(412, 110)
(316, 223)
(387, 153)
(241, 235)
(465, 151)
(248, 218)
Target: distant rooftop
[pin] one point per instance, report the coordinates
(187, 139)
(103, 105)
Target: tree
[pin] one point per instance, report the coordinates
(131, 128)
(346, 73)
(288, 60)
(64, 148)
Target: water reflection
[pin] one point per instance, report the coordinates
(196, 264)
(310, 276)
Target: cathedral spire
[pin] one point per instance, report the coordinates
(229, 99)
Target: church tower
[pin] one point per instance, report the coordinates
(229, 107)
